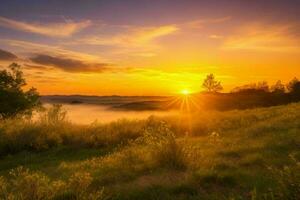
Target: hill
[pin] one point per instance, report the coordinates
(246, 154)
(206, 101)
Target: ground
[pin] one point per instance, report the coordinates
(248, 154)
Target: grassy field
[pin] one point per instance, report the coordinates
(249, 154)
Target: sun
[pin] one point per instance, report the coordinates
(185, 92)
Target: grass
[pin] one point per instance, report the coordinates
(249, 154)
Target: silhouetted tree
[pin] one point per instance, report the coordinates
(13, 99)
(248, 88)
(278, 88)
(263, 86)
(211, 85)
(294, 86)
(254, 88)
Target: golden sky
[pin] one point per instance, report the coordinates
(149, 48)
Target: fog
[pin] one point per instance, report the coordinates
(85, 113)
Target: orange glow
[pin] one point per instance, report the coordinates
(95, 57)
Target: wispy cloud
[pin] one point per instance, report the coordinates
(216, 37)
(131, 40)
(48, 57)
(200, 23)
(38, 67)
(57, 51)
(51, 29)
(69, 64)
(264, 37)
(6, 55)
(144, 41)
(134, 36)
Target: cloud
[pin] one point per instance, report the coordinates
(145, 36)
(215, 36)
(265, 37)
(52, 29)
(47, 57)
(69, 64)
(140, 35)
(5, 55)
(55, 51)
(142, 41)
(133, 37)
(37, 67)
(200, 23)
(132, 40)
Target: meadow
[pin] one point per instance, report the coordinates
(239, 154)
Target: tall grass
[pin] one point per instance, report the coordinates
(26, 185)
(226, 155)
(163, 146)
(52, 129)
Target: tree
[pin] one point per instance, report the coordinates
(294, 86)
(13, 99)
(278, 88)
(211, 85)
(253, 88)
(263, 86)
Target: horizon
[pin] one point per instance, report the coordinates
(149, 99)
(145, 48)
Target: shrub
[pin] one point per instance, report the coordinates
(52, 129)
(53, 116)
(18, 135)
(79, 182)
(288, 180)
(27, 185)
(163, 146)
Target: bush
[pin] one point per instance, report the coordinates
(288, 180)
(51, 129)
(22, 134)
(53, 116)
(163, 146)
(27, 185)
(79, 182)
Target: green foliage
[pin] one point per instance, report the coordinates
(52, 129)
(23, 134)
(163, 146)
(288, 184)
(26, 185)
(288, 180)
(13, 99)
(226, 155)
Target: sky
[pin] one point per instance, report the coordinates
(146, 47)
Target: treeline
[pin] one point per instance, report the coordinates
(292, 87)
(254, 95)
